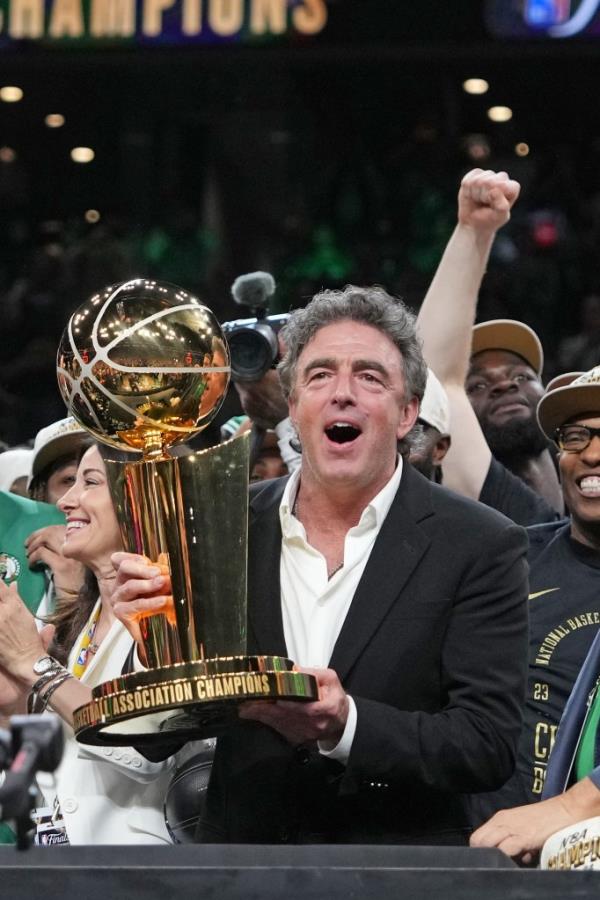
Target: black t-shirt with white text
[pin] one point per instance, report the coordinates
(564, 616)
(506, 492)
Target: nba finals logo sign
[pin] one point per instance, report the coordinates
(87, 22)
(543, 18)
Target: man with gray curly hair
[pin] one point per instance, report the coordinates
(370, 306)
(404, 600)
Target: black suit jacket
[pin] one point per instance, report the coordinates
(434, 653)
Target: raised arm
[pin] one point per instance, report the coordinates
(447, 316)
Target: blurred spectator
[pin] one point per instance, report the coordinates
(35, 314)
(181, 252)
(434, 418)
(97, 258)
(19, 516)
(582, 351)
(56, 453)
(54, 460)
(14, 470)
(268, 462)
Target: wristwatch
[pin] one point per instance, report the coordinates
(45, 664)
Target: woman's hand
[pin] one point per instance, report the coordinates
(44, 546)
(13, 696)
(20, 642)
(142, 589)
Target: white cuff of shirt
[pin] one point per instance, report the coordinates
(341, 751)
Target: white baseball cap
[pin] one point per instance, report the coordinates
(58, 439)
(14, 463)
(435, 409)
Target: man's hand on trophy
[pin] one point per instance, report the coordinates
(142, 589)
(299, 723)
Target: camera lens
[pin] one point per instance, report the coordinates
(252, 353)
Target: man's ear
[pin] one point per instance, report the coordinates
(410, 412)
(440, 448)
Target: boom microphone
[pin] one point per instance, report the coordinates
(253, 290)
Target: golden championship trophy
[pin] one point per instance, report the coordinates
(143, 365)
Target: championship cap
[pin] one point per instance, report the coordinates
(562, 380)
(58, 439)
(567, 401)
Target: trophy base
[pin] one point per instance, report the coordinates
(186, 701)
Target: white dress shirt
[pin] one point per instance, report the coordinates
(314, 606)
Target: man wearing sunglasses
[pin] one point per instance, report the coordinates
(564, 642)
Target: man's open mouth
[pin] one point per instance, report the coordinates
(589, 485)
(342, 432)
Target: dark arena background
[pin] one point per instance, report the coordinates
(322, 141)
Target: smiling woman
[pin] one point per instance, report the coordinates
(92, 534)
(91, 537)
(97, 796)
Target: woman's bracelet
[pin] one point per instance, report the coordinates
(45, 699)
(34, 699)
(46, 678)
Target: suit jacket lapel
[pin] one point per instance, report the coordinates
(265, 622)
(397, 550)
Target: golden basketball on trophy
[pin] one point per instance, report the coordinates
(144, 365)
